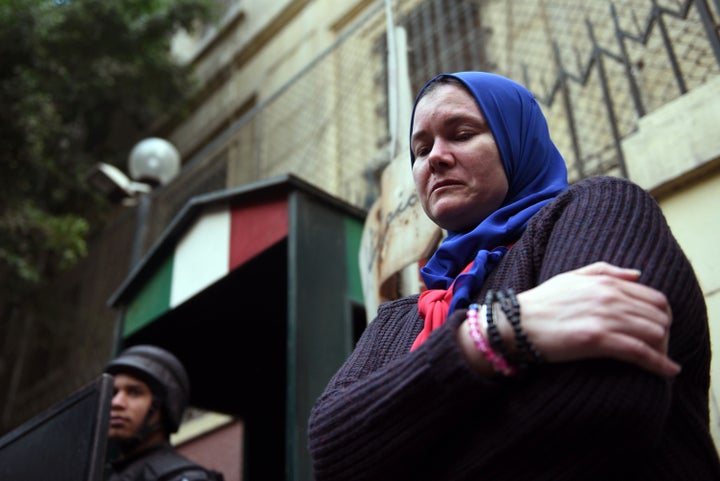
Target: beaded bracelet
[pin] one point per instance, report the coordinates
(526, 352)
(496, 341)
(498, 362)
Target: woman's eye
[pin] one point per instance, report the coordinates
(421, 151)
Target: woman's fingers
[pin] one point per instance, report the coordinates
(602, 267)
(593, 341)
(631, 308)
(645, 294)
(599, 311)
(633, 350)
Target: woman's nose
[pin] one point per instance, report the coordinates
(440, 156)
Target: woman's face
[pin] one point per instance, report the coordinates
(458, 172)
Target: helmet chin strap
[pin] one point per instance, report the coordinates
(146, 428)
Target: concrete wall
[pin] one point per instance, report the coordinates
(695, 220)
(268, 44)
(675, 154)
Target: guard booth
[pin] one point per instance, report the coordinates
(257, 290)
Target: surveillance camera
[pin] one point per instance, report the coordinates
(112, 182)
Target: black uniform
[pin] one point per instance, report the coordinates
(159, 463)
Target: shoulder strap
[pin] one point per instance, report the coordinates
(216, 475)
(169, 465)
(186, 473)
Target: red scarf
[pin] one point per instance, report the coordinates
(433, 306)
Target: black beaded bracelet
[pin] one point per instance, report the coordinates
(526, 352)
(494, 337)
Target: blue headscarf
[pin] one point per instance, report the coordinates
(536, 174)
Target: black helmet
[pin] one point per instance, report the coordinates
(164, 374)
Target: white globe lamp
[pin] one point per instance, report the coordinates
(154, 161)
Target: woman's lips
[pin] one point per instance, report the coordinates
(442, 184)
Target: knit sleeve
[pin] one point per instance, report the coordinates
(616, 221)
(391, 414)
(387, 406)
(587, 407)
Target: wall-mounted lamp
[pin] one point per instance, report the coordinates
(152, 162)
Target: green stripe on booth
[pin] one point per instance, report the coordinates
(152, 301)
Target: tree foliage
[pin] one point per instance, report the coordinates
(80, 81)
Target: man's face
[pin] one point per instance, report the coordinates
(130, 403)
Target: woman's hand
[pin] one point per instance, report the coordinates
(599, 310)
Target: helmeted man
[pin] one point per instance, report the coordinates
(151, 391)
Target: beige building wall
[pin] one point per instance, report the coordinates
(675, 154)
(268, 43)
(276, 100)
(695, 220)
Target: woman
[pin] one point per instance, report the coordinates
(583, 382)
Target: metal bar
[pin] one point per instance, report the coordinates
(634, 90)
(668, 47)
(455, 31)
(562, 78)
(608, 101)
(441, 42)
(711, 30)
(427, 34)
(143, 214)
(682, 13)
(392, 79)
(416, 74)
(473, 44)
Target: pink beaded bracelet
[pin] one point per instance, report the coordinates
(498, 362)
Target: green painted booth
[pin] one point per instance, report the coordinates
(257, 290)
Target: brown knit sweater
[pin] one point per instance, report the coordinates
(389, 414)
